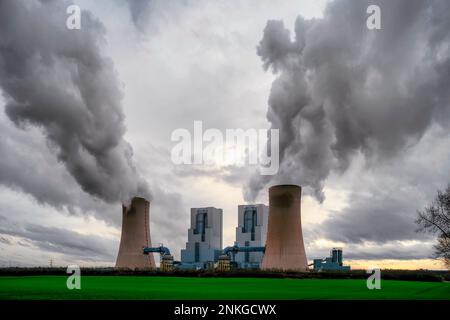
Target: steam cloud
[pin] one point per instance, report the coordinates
(139, 11)
(57, 79)
(344, 90)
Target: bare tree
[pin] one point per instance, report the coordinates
(436, 219)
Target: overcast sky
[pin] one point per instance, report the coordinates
(87, 117)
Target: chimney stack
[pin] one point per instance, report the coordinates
(135, 236)
(285, 249)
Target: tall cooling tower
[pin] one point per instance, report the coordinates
(284, 245)
(135, 236)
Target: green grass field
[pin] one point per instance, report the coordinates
(135, 287)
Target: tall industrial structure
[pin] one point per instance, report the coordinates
(135, 236)
(267, 237)
(251, 232)
(204, 237)
(285, 249)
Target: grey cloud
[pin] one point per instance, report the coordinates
(58, 80)
(230, 174)
(169, 220)
(383, 202)
(139, 11)
(275, 46)
(169, 214)
(5, 240)
(70, 243)
(375, 217)
(343, 89)
(27, 165)
(147, 14)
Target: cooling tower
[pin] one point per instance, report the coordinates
(284, 245)
(135, 236)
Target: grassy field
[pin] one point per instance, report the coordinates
(135, 287)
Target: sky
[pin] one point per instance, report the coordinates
(87, 117)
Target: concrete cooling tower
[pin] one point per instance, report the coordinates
(135, 236)
(284, 245)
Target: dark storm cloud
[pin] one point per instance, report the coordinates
(88, 247)
(378, 217)
(343, 89)
(58, 80)
(381, 203)
(27, 165)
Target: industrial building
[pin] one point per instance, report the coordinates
(251, 232)
(285, 249)
(333, 263)
(204, 238)
(135, 235)
(267, 237)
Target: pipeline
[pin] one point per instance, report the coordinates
(161, 250)
(235, 249)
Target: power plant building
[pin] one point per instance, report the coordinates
(251, 232)
(135, 236)
(267, 237)
(332, 263)
(204, 237)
